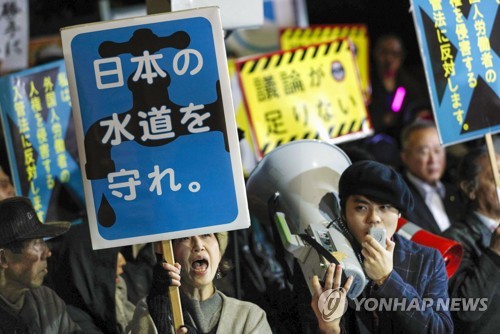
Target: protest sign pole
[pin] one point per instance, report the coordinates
(493, 162)
(173, 291)
(154, 7)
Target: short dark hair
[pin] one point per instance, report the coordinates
(468, 169)
(16, 246)
(389, 36)
(415, 126)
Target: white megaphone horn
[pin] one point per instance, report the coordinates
(303, 176)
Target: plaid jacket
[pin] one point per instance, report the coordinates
(417, 289)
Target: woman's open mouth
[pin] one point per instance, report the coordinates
(200, 266)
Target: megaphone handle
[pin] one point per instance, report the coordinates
(323, 252)
(272, 209)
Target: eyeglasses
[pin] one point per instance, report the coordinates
(426, 151)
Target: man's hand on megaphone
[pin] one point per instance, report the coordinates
(378, 262)
(495, 241)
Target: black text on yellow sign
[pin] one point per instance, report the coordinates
(308, 93)
(291, 38)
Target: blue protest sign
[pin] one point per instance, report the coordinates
(38, 127)
(156, 127)
(460, 54)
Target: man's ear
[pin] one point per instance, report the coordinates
(402, 155)
(468, 188)
(3, 258)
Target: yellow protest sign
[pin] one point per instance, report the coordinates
(291, 38)
(306, 93)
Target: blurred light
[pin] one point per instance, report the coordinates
(399, 97)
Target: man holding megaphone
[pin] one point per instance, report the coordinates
(409, 277)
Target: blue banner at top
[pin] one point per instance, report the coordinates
(460, 51)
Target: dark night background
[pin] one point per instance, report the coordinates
(381, 16)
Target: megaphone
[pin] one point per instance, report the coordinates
(451, 251)
(295, 187)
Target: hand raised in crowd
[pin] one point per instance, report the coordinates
(331, 282)
(495, 241)
(378, 262)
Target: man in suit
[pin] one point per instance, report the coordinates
(478, 276)
(437, 204)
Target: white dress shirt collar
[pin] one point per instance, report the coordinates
(426, 189)
(491, 224)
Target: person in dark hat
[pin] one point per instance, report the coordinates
(25, 305)
(410, 277)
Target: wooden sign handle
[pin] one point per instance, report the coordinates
(493, 161)
(173, 291)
